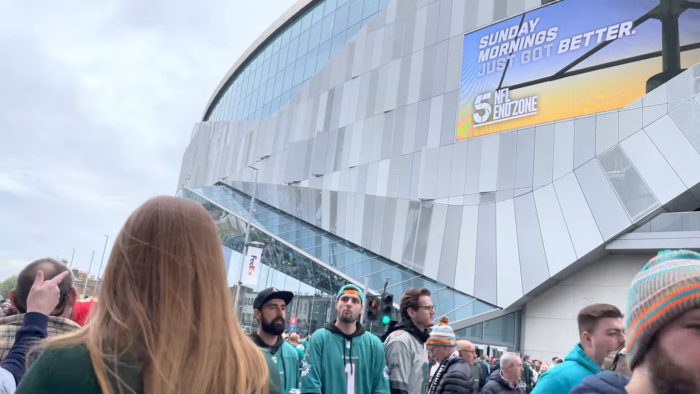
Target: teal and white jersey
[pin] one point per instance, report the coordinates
(340, 364)
(407, 359)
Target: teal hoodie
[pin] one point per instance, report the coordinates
(569, 374)
(285, 358)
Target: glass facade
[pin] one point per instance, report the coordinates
(502, 331)
(276, 71)
(285, 236)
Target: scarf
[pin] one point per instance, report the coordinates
(435, 381)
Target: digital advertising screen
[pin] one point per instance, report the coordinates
(572, 58)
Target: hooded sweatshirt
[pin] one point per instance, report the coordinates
(285, 358)
(606, 382)
(344, 364)
(407, 358)
(569, 374)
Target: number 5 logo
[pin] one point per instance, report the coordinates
(479, 106)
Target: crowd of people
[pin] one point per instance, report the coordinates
(164, 323)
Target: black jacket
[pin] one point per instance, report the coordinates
(457, 378)
(484, 374)
(498, 385)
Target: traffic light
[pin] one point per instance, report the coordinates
(386, 307)
(372, 308)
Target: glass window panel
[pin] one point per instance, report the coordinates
(371, 7)
(257, 80)
(310, 69)
(296, 29)
(288, 78)
(481, 307)
(283, 58)
(465, 311)
(268, 51)
(274, 61)
(296, 89)
(317, 13)
(266, 111)
(500, 330)
(306, 21)
(275, 106)
(270, 89)
(341, 2)
(265, 71)
(315, 35)
(445, 302)
(292, 56)
(303, 44)
(286, 36)
(284, 99)
(355, 14)
(383, 3)
(337, 43)
(330, 6)
(327, 29)
(324, 52)
(261, 95)
(341, 19)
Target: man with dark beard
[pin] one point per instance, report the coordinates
(270, 306)
(663, 330)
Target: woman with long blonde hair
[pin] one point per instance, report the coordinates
(165, 321)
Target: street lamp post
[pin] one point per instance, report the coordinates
(70, 267)
(103, 258)
(245, 243)
(87, 278)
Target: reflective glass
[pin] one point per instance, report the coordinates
(370, 8)
(341, 19)
(337, 43)
(306, 21)
(330, 6)
(269, 90)
(296, 89)
(298, 72)
(293, 46)
(341, 2)
(355, 14)
(277, 44)
(274, 61)
(324, 52)
(275, 105)
(288, 78)
(315, 36)
(283, 58)
(303, 44)
(296, 28)
(327, 28)
(284, 98)
(317, 13)
(310, 68)
(286, 37)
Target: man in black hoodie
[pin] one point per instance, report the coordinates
(404, 343)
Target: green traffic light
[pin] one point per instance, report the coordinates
(386, 320)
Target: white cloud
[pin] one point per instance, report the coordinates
(97, 104)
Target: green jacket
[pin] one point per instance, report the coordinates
(286, 359)
(340, 364)
(562, 379)
(69, 370)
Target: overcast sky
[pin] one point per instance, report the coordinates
(97, 102)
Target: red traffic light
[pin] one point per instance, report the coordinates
(373, 304)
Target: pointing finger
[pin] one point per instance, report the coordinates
(39, 280)
(58, 278)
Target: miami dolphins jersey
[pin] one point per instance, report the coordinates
(339, 364)
(407, 360)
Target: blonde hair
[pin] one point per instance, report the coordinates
(165, 306)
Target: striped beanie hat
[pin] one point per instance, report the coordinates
(442, 334)
(667, 287)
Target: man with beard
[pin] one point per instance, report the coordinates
(663, 330)
(341, 357)
(406, 352)
(269, 306)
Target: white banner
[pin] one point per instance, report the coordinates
(251, 269)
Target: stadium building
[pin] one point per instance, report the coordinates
(519, 159)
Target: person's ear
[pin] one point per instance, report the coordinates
(258, 314)
(73, 298)
(586, 339)
(11, 296)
